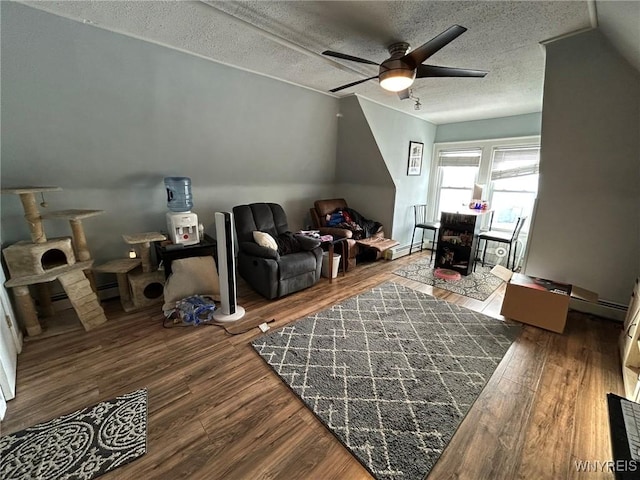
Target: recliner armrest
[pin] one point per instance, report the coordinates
(256, 250)
(336, 232)
(308, 243)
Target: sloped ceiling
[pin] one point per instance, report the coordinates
(284, 40)
(620, 23)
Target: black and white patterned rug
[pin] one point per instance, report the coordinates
(391, 372)
(479, 284)
(81, 445)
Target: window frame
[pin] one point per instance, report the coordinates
(483, 177)
(436, 203)
(491, 190)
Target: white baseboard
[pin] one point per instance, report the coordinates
(610, 310)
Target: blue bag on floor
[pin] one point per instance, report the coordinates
(195, 310)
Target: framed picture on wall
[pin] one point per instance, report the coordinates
(415, 158)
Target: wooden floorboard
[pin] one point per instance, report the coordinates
(216, 410)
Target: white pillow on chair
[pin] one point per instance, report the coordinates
(265, 240)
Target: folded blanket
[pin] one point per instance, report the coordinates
(288, 243)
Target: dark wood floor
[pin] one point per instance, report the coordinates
(217, 411)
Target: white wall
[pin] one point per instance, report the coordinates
(586, 229)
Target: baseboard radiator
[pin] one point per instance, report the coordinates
(402, 250)
(108, 291)
(604, 308)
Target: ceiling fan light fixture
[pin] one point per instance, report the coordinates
(397, 80)
(397, 73)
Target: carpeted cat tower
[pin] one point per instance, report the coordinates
(41, 260)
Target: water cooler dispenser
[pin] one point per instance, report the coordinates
(182, 224)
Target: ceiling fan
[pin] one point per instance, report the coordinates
(398, 72)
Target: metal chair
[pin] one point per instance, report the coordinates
(420, 221)
(509, 238)
(486, 229)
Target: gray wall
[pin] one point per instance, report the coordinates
(362, 177)
(393, 130)
(586, 228)
(503, 127)
(106, 117)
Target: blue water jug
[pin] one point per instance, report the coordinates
(179, 197)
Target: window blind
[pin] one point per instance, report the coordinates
(515, 162)
(459, 158)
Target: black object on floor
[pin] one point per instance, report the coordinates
(625, 464)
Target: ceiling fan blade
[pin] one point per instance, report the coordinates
(423, 52)
(404, 94)
(344, 56)
(337, 89)
(434, 71)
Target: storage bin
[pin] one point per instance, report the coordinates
(325, 265)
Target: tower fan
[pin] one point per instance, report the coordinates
(230, 310)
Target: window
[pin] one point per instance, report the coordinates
(457, 173)
(506, 168)
(514, 185)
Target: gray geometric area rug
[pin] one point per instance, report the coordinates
(391, 372)
(479, 284)
(81, 445)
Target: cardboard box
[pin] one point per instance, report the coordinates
(537, 301)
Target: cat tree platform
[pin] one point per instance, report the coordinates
(75, 284)
(143, 242)
(31, 212)
(75, 218)
(138, 288)
(121, 267)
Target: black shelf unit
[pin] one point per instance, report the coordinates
(457, 240)
(169, 252)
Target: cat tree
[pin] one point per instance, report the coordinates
(43, 260)
(138, 288)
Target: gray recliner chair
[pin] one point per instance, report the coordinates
(268, 272)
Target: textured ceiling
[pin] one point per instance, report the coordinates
(284, 40)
